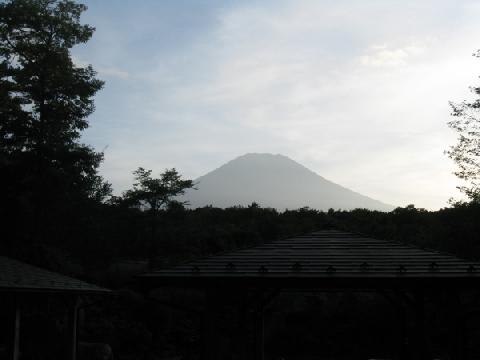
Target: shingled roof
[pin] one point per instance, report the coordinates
(17, 276)
(323, 257)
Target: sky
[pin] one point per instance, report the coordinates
(357, 91)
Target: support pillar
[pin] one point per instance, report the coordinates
(397, 301)
(462, 338)
(15, 351)
(244, 333)
(72, 330)
(457, 328)
(210, 343)
(262, 299)
(420, 338)
(259, 333)
(403, 334)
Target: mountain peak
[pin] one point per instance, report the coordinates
(262, 157)
(274, 180)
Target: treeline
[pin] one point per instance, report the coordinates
(87, 240)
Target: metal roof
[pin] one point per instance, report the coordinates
(18, 276)
(326, 256)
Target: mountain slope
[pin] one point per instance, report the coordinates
(274, 181)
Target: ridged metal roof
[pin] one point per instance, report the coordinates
(18, 276)
(324, 254)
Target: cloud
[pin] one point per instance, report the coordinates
(357, 91)
(386, 56)
(113, 72)
(103, 71)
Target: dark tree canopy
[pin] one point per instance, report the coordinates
(48, 174)
(466, 153)
(45, 98)
(39, 73)
(153, 194)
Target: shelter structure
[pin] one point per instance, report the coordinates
(23, 287)
(331, 261)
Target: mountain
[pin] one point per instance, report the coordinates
(274, 181)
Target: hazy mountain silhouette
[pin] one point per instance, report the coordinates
(274, 181)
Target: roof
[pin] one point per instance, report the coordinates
(17, 276)
(327, 258)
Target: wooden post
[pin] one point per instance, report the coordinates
(259, 334)
(72, 329)
(397, 302)
(244, 335)
(456, 327)
(463, 353)
(16, 332)
(210, 345)
(207, 331)
(402, 318)
(420, 338)
(261, 301)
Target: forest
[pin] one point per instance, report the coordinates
(60, 214)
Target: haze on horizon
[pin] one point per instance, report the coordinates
(357, 92)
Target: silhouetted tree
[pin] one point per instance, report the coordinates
(466, 153)
(153, 194)
(45, 100)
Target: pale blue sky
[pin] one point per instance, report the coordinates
(357, 91)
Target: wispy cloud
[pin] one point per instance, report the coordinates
(103, 71)
(112, 72)
(356, 91)
(388, 56)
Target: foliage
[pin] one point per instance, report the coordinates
(151, 195)
(154, 194)
(48, 175)
(466, 153)
(46, 98)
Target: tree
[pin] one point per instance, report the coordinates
(466, 153)
(154, 194)
(45, 100)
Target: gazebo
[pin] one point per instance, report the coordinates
(24, 287)
(329, 260)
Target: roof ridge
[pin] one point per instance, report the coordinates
(413, 246)
(327, 249)
(21, 275)
(186, 262)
